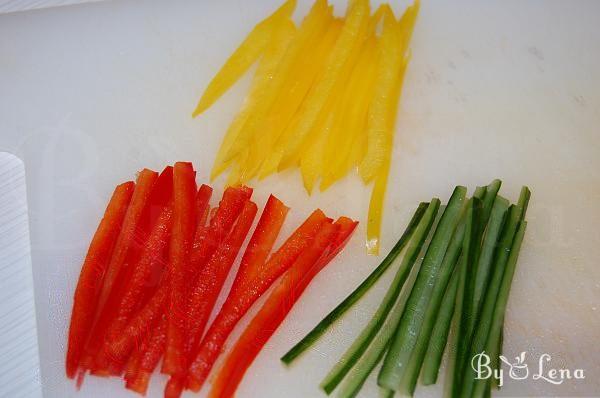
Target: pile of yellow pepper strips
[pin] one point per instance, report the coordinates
(323, 98)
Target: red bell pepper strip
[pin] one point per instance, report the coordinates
(256, 253)
(138, 326)
(262, 240)
(272, 313)
(143, 189)
(157, 200)
(208, 286)
(207, 239)
(142, 280)
(202, 204)
(240, 300)
(150, 354)
(211, 278)
(133, 363)
(92, 272)
(184, 225)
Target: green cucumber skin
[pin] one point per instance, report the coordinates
(480, 192)
(455, 366)
(481, 331)
(436, 348)
(473, 248)
(405, 337)
(357, 294)
(359, 373)
(439, 335)
(489, 199)
(433, 308)
(470, 252)
(349, 358)
(484, 267)
(492, 346)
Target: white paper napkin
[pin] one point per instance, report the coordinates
(19, 360)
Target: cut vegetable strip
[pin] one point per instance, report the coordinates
(184, 224)
(206, 289)
(471, 232)
(481, 332)
(380, 185)
(497, 322)
(211, 278)
(238, 132)
(484, 267)
(381, 110)
(126, 253)
(359, 346)
(402, 346)
(262, 241)
(243, 57)
(315, 50)
(149, 358)
(439, 334)
(489, 200)
(358, 293)
(470, 252)
(142, 192)
(93, 269)
(374, 354)
(208, 238)
(353, 32)
(239, 300)
(358, 93)
(282, 105)
(258, 249)
(273, 312)
(151, 264)
(141, 322)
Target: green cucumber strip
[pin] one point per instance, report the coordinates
(484, 266)
(473, 248)
(481, 332)
(405, 338)
(349, 358)
(480, 192)
(358, 293)
(489, 200)
(433, 308)
(439, 335)
(359, 373)
(524, 203)
(470, 245)
(497, 323)
(454, 370)
(387, 393)
(496, 360)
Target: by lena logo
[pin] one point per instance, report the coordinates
(519, 370)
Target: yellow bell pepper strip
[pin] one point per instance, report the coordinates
(353, 32)
(378, 194)
(243, 57)
(313, 160)
(378, 123)
(358, 93)
(378, 15)
(304, 66)
(299, 83)
(269, 119)
(260, 83)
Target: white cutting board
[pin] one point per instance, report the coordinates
(91, 93)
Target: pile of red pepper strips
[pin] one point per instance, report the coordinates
(157, 264)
